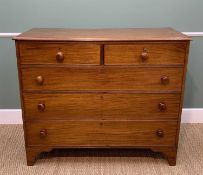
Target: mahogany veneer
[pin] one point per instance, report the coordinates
(102, 88)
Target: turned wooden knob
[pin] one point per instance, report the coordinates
(43, 133)
(164, 80)
(39, 80)
(41, 107)
(59, 57)
(162, 106)
(160, 133)
(144, 55)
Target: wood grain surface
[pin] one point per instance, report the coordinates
(102, 78)
(45, 53)
(131, 34)
(101, 133)
(158, 53)
(101, 106)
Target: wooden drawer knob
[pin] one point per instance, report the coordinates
(41, 107)
(164, 80)
(144, 55)
(43, 133)
(39, 80)
(59, 57)
(160, 133)
(162, 106)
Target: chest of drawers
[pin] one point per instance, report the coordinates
(102, 88)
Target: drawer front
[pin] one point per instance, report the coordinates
(145, 53)
(101, 106)
(102, 78)
(101, 133)
(59, 53)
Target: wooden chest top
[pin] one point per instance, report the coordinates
(131, 34)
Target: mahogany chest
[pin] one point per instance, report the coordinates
(102, 88)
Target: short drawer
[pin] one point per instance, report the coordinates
(102, 78)
(59, 53)
(145, 53)
(101, 133)
(101, 106)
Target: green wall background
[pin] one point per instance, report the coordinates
(21, 15)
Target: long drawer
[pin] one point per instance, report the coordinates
(102, 78)
(101, 133)
(101, 106)
(62, 53)
(145, 53)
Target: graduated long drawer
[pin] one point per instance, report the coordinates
(101, 133)
(102, 78)
(101, 106)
